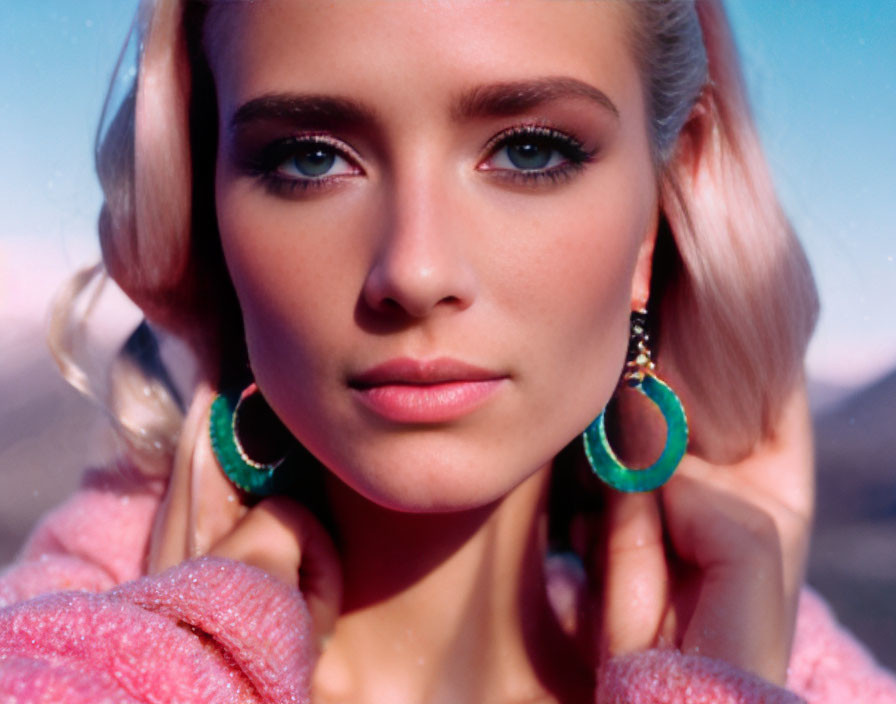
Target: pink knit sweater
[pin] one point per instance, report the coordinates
(80, 624)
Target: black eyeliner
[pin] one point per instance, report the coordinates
(573, 151)
(265, 163)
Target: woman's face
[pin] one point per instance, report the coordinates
(435, 216)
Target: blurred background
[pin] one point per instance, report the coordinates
(822, 78)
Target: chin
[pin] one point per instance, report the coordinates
(436, 483)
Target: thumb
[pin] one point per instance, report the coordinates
(283, 538)
(635, 575)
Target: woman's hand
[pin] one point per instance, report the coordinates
(714, 561)
(202, 514)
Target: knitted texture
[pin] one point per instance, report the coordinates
(209, 630)
(668, 677)
(829, 665)
(216, 631)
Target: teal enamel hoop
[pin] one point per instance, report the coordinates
(250, 476)
(608, 467)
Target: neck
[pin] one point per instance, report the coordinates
(445, 607)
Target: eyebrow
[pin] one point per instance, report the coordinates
(304, 108)
(494, 99)
(513, 97)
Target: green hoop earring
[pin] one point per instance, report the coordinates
(640, 376)
(257, 478)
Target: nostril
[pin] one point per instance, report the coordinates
(390, 305)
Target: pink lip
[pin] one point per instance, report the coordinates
(434, 391)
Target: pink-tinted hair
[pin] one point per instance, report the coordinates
(735, 299)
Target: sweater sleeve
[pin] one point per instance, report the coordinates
(209, 630)
(670, 677)
(829, 666)
(96, 539)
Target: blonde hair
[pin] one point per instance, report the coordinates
(732, 297)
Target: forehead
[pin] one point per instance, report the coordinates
(416, 51)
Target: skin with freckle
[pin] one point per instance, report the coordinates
(421, 245)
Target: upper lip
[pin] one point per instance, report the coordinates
(409, 371)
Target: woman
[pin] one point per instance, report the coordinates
(419, 233)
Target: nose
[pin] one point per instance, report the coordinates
(422, 264)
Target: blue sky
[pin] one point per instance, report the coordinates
(822, 77)
(821, 73)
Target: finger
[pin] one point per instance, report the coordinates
(200, 503)
(216, 504)
(784, 468)
(284, 538)
(765, 499)
(169, 542)
(740, 612)
(794, 442)
(635, 584)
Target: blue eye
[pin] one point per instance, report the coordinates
(531, 154)
(294, 165)
(309, 159)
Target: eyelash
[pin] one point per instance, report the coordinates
(574, 154)
(267, 164)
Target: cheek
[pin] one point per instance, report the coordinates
(573, 272)
(573, 290)
(583, 272)
(293, 280)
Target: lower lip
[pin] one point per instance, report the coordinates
(434, 403)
